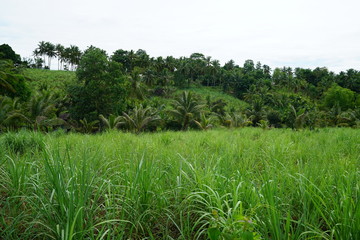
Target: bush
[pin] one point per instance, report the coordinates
(23, 141)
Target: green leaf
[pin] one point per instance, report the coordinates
(214, 233)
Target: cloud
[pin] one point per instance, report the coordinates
(277, 32)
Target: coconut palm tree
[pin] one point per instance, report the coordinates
(186, 109)
(87, 127)
(140, 118)
(41, 51)
(204, 122)
(39, 113)
(75, 55)
(256, 112)
(149, 76)
(60, 54)
(50, 51)
(7, 105)
(136, 84)
(297, 117)
(165, 78)
(112, 122)
(5, 81)
(235, 120)
(71, 56)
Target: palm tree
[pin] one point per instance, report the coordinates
(186, 109)
(50, 51)
(112, 122)
(170, 63)
(75, 55)
(71, 56)
(60, 54)
(204, 123)
(5, 81)
(165, 78)
(235, 120)
(38, 113)
(238, 120)
(140, 118)
(7, 105)
(256, 112)
(87, 127)
(297, 118)
(149, 77)
(137, 87)
(41, 51)
(335, 115)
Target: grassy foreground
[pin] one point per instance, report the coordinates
(220, 184)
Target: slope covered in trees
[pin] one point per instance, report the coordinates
(130, 85)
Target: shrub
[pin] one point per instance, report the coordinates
(23, 141)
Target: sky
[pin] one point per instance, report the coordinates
(293, 33)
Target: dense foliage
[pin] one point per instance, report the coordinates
(182, 93)
(100, 88)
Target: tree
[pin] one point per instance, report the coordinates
(6, 52)
(204, 123)
(60, 50)
(186, 109)
(100, 89)
(41, 51)
(230, 65)
(140, 118)
(74, 56)
(7, 105)
(336, 95)
(256, 111)
(38, 113)
(112, 122)
(349, 79)
(50, 51)
(12, 83)
(136, 84)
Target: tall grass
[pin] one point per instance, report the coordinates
(220, 184)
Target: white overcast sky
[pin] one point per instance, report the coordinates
(307, 33)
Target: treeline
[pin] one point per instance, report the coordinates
(132, 91)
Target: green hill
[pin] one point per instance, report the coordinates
(57, 82)
(54, 81)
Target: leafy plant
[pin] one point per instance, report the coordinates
(112, 122)
(87, 127)
(204, 123)
(185, 109)
(139, 119)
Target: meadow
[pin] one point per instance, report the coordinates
(246, 183)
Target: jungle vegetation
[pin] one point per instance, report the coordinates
(194, 92)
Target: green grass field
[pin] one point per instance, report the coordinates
(220, 184)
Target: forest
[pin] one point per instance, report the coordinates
(132, 91)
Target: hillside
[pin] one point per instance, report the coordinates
(140, 89)
(57, 81)
(53, 81)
